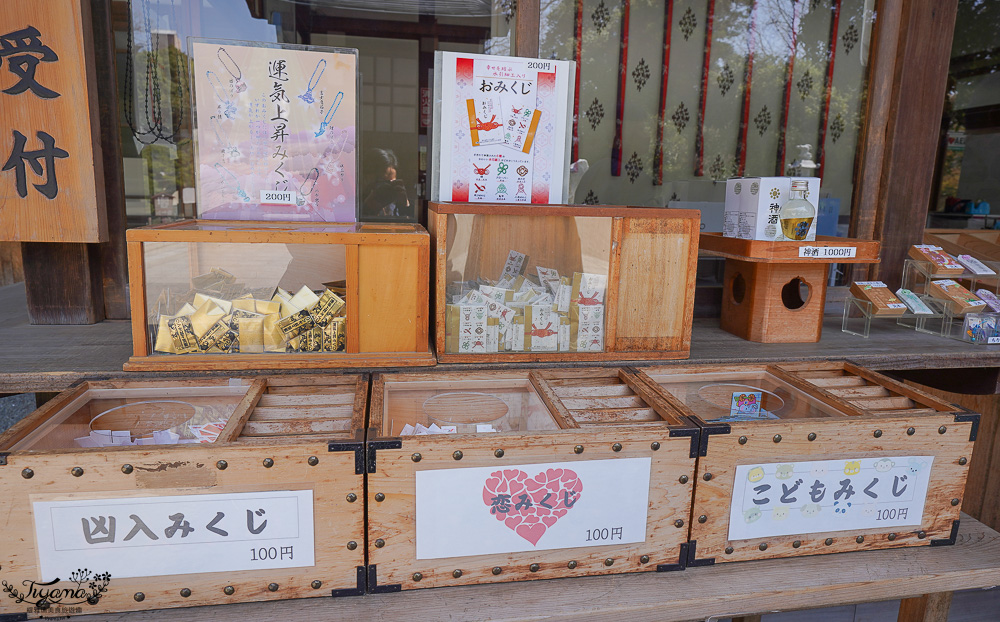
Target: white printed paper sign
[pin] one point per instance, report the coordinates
(531, 507)
(182, 534)
(504, 129)
(826, 252)
(784, 499)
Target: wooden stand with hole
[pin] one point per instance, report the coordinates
(775, 292)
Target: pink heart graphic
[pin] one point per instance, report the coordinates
(529, 506)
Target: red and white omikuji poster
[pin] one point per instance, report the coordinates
(503, 129)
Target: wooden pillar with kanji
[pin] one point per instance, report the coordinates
(51, 171)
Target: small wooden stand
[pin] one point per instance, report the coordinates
(773, 294)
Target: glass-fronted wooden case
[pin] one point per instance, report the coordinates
(547, 282)
(238, 295)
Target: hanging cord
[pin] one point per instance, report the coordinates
(154, 118)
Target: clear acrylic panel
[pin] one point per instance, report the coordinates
(139, 416)
(395, 39)
(212, 298)
(717, 396)
(518, 283)
(463, 407)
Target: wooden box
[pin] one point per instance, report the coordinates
(206, 271)
(272, 509)
(830, 472)
(615, 460)
(623, 286)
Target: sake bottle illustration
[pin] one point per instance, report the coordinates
(797, 214)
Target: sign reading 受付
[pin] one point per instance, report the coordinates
(182, 534)
(531, 507)
(51, 178)
(784, 499)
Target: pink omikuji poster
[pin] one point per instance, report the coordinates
(503, 129)
(275, 131)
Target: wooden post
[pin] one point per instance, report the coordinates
(526, 32)
(113, 262)
(52, 188)
(908, 78)
(926, 608)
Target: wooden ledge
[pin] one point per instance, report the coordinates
(697, 593)
(760, 251)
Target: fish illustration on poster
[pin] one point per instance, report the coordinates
(275, 131)
(502, 130)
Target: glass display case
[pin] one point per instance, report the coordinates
(563, 282)
(218, 294)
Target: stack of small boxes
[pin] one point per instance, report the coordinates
(523, 313)
(753, 205)
(220, 315)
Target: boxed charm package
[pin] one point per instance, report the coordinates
(523, 312)
(218, 314)
(771, 208)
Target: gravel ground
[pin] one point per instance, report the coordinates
(15, 408)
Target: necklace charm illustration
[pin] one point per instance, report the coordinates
(307, 97)
(229, 151)
(238, 84)
(226, 105)
(232, 183)
(329, 114)
(308, 184)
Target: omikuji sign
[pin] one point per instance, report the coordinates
(51, 180)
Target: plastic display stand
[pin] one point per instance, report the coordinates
(858, 317)
(775, 292)
(917, 274)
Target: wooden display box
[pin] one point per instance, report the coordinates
(866, 425)
(647, 256)
(289, 455)
(775, 292)
(434, 501)
(380, 270)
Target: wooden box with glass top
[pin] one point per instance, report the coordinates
(810, 458)
(562, 282)
(174, 493)
(221, 295)
(485, 477)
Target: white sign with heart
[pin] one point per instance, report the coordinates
(531, 507)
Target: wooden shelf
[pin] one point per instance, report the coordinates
(51, 358)
(760, 251)
(696, 593)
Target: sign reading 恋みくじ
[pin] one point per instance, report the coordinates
(783, 499)
(531, 507)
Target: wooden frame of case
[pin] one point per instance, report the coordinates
(649, 249)
(603, 414)
(387, 285)
(288, 432)
(881, 416)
